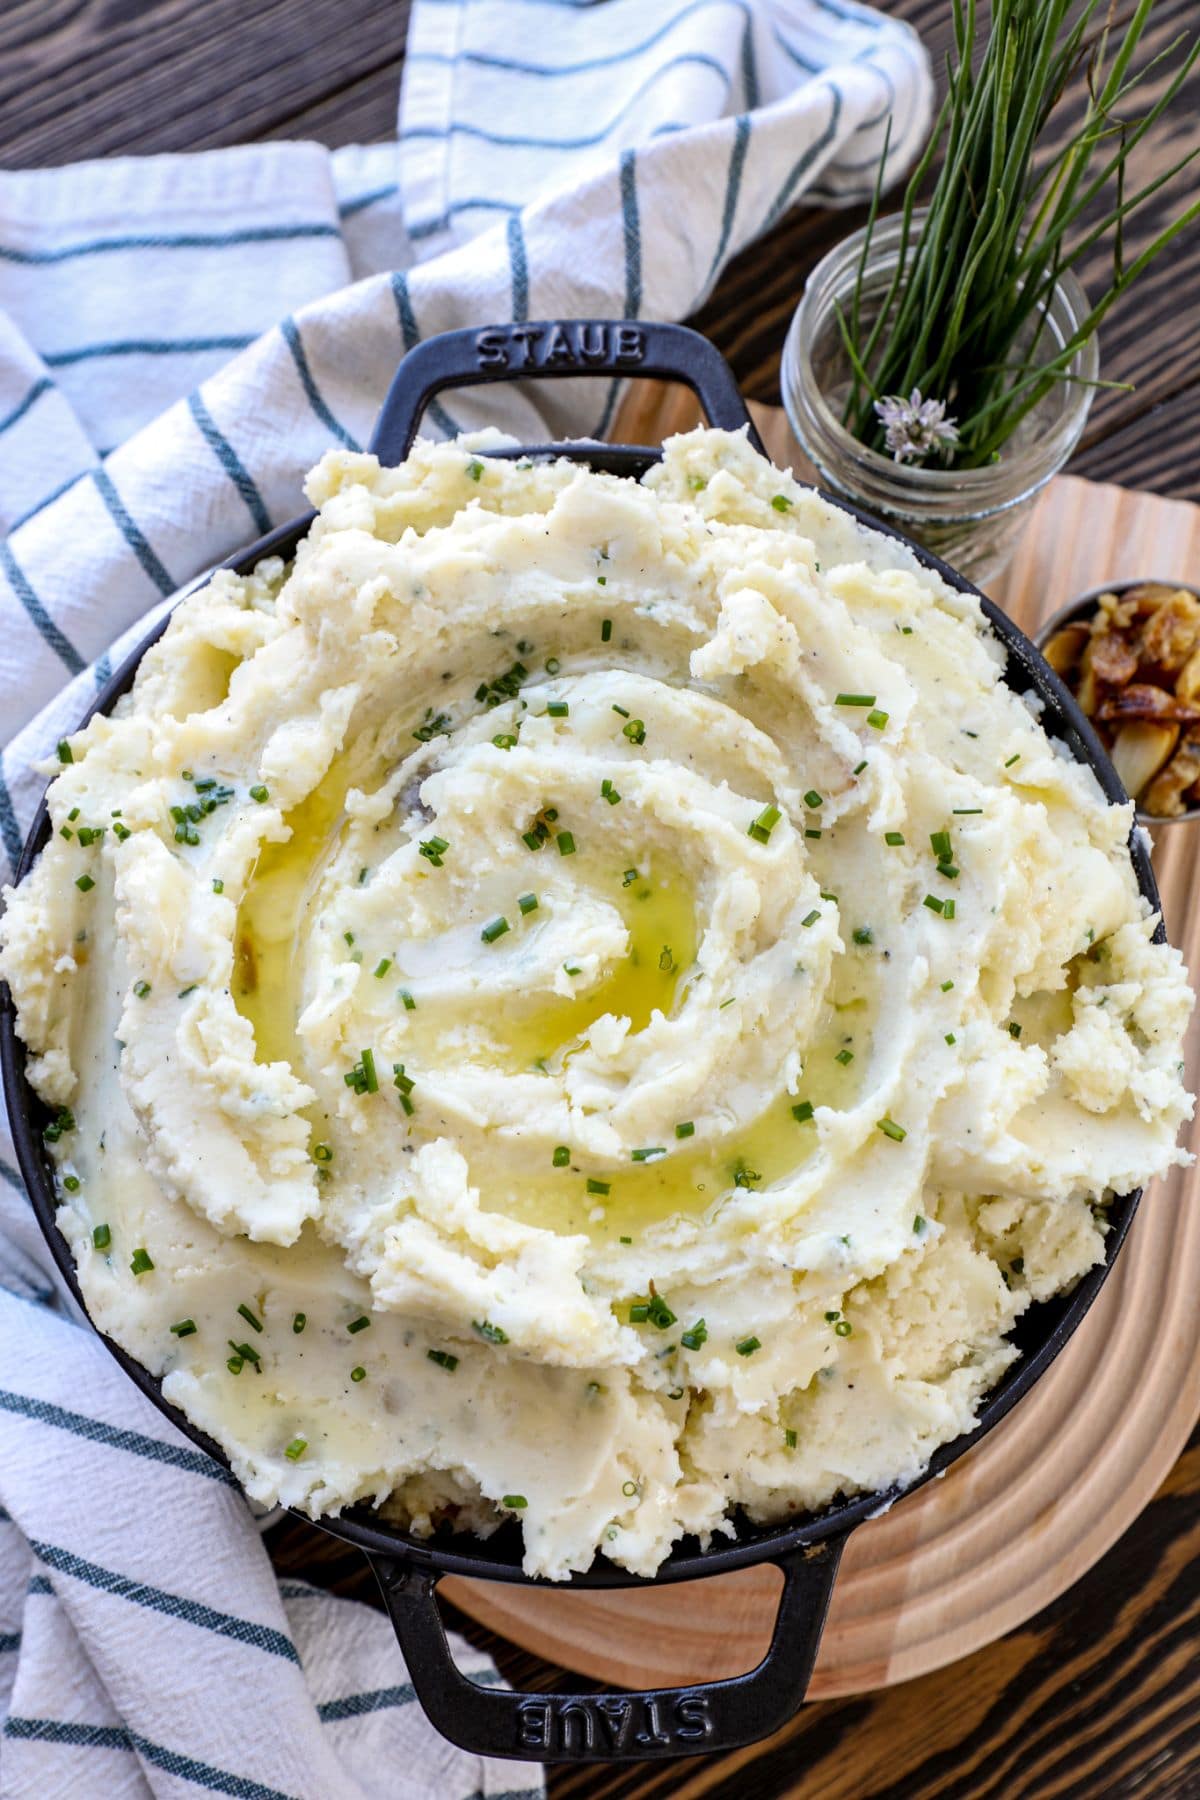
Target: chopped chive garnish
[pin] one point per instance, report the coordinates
(1014, 1030)
(629, 1489)
(948, 871)
(605, 628)
(623, 710)
(862, 934)
(608, 792)
(65, 831)
(141, 1262)
(919, 1224)
(685, 1129)
(299, 1321)
(259, 792)
(760, 829)
(566, 843)
(433, 849)
(877, 720)
(381, 967)
(648, 1154)
(813, 799)
(950, 1038)
(184, 992)
(247, 1352)
(491, 1334)
(495, 928)
(812, 917)
(517, 1502)
(893, 837)
(410, 1004)
(802, 1112)
(859, 767)
(443, 1359)
(1012, 760)
(531, 840)
(890, 1129)
(625, 1240)
(65, 754)
(694, 1336)
(789, 1437)
(561, 1157)
(781, 503)
(370, 1081)
(505, 740)
(639, 1312)
(946, 986)
(629, 877)
(598, 1187)
(635, 731)
(358, 1374)
(296, 1449)
(557, 709)
(218, 885)
(249, 1317)
(845, 1057)
(183, 1328)
(474, 468)
(812, 831)
(71, 1183)
(855, 700)
(963, 812)
(747, 1346)
(527, 902)
(102, 1236)
(948, 910)
(141, 989)
(843, 1328)
(121, 832)
(934, 904)
(552, 665)
(234, 1364)
(941, 845)
(359, 1324)
(84, 883)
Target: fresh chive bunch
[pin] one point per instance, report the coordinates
(958, 353)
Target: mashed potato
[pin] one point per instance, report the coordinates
(585, 1000)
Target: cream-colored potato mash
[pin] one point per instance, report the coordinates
(585, 1000)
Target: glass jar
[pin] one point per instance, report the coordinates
(971, 518)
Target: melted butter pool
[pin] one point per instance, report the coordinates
(697, 1172)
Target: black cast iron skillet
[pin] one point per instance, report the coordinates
(667, 1722)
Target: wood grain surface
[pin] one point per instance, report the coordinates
(1098, 1696)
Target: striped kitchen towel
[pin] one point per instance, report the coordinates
(180, 339)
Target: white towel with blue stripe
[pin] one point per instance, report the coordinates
(180, 339)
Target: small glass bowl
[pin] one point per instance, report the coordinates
(1083, 607)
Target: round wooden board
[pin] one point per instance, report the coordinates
(1020, 1518)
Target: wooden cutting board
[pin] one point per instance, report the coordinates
(1050, 1489)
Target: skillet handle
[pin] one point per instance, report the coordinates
(548, 350)
(593, 1728)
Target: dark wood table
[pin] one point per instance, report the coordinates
(1098, 1696)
